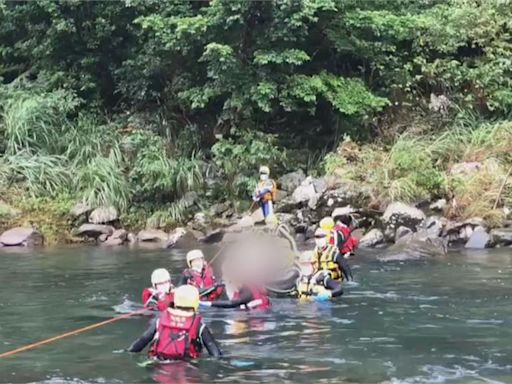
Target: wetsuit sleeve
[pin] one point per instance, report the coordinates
(344, 267)
(209, 342)
(207, 291)
(245, 298)
(183, 279)
(334, 287)
(139, 344)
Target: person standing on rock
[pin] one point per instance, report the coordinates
(265, 193)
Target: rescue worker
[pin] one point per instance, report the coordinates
(265, 193)
(237, 294)
(179, 332)
(303, 282)
(200, 275)
(328, 261)
(159, 296)
(327, 224)
(345, 242)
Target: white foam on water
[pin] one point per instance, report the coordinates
(484, 322)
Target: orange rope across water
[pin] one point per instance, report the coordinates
(71, 333)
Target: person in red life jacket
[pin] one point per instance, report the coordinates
(200, 275)
(179, 332)
(330, 266)
(236, 294)
(160, 295)
(345, 242)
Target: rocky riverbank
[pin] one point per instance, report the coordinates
(416, 230)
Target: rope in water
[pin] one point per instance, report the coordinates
(70, 333)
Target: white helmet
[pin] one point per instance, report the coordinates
(264, 170)
(193, 255)
(159, 276)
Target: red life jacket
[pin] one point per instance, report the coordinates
(163, 302)
(178, 336)
(259, 299)
(204, 279)
(350, 243)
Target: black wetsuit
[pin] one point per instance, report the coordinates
(186, 277)
(205, 336)
(289, 284)
(340, 260)
(244, 298)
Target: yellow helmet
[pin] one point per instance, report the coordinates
(193, 255)
(327, 224)
(186, 296)
(264, 170)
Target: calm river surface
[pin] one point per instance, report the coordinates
(433, 321)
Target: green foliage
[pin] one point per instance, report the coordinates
(237, 161)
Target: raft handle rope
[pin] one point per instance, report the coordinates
(70, 333)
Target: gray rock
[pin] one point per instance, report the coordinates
(132, 238)
(79, 209)
(22, 236)
(372, 238)
(479, 239)
(400, 214)
(414, 247)
(291, 181)
(112, 242)
(213, 236)
(102, 238)
(246, 222)
(103, 215)
(93, 230)
(465, 233)
(313, 201)
(348, 193)
(175, 236)
(466, 168)
(475, 222)
(152, 235)
(502, 236)
(257, 216)
(320, 185)
(286, 205)
(303, 193)
(219, 209)
(347, 210)
(285, 218)
(434, 226)
(439, 205)
(402, 232)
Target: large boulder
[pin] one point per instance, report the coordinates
(304, 192)
(152, 235)
(415, 246)
(79, 209)
(502, 236)
(291, 181)
(434, 226)
(93, 230)
(346, 194)
(174, 237)
(22, 236)
(439, 205)
(118, 237)
(372, 238)
(400, 214)
(103, 215)
(479, 239)
(402, 232)
(348, 210)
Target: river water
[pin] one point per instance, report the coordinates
(446, 320)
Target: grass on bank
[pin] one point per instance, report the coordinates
(415, 168)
